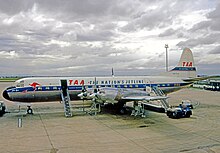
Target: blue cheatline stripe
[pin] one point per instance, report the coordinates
(184, 69)
(72, 88)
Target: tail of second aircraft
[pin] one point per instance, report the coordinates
(185, 67)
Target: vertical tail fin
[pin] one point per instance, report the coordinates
(185, 67)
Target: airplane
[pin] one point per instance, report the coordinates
(112, 89)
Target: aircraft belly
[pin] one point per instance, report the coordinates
(47, 96)
(54, 96)
(22, 97)
(36, 96)
(40, 96)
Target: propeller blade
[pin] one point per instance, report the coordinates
(95, 86)
(84, 94)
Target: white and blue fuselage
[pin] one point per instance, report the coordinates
(45, 89)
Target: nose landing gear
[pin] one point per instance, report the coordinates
(29, 110)
(2, 109)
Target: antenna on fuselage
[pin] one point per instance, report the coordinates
(113, 72)
(112, 77)
(84, 92)
(166, 46)
(95, 86)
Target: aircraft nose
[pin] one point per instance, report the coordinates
(5, 95)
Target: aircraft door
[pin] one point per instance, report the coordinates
(148, 89)
(64, 87)
(147, 83)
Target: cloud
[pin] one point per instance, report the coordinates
(95, 36)
(149, 19)
(216, 50)
(215, 18)
(205, 40)
(8, 54)
(178, 33)
(12, 7)
(205, 32)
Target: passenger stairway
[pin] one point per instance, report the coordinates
(66, 102)
(159, 92)
(95, 108)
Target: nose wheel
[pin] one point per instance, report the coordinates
(29, 110)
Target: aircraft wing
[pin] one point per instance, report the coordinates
(114, 95)
(143, 98)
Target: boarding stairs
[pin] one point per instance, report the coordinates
(66, 102)
(138, 109)
(159, 92)
(95, 108)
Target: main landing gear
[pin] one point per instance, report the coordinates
(29, 110)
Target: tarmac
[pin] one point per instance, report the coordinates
(48, 131)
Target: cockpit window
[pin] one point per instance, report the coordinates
(20, 83)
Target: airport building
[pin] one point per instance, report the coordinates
(209, 84)
(215, 84)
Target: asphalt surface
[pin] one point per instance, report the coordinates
(48, 131)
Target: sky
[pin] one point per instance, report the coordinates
(90, 37)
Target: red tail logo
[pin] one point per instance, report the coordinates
(187, 64)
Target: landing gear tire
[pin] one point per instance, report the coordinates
(2, 109)
(29, 110)
(187, 114)
(2, 113)
(122, 111)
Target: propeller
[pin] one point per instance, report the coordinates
(94, 95)
(84, 94)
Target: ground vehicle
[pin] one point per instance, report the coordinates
(179, 112)
(187, 103)
(2, 109)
